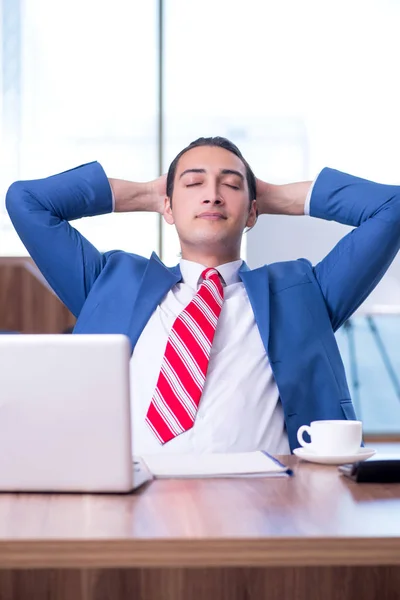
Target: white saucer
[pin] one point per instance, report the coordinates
(306, 454)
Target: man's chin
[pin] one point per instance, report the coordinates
(217, 239)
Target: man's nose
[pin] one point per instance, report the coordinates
(213, 194)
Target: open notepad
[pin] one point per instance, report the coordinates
(240, 464)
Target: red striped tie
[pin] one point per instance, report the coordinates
(183, 370)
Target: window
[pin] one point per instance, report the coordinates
(79, 84)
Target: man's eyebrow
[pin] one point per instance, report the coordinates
(232, 172)
(192, 171)
(223, 172)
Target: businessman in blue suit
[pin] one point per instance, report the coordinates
(274, 362)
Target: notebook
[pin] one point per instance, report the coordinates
(240, 464)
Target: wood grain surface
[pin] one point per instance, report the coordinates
(27, 304)
(315, 518)
(327, 583)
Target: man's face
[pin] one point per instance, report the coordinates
(210, 204)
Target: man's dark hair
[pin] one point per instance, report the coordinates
(219, 142)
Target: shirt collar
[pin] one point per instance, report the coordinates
(191, 272)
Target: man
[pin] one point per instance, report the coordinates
(224, 358)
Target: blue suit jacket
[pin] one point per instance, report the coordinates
(297, 307)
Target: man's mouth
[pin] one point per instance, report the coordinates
(211, 216)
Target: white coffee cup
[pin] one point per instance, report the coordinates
(332, 438)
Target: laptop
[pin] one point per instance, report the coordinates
(65, 422)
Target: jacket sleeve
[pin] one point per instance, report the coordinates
(357, 263)
(40, 211)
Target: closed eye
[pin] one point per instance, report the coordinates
(233, 187)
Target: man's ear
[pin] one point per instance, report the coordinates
(168, 216)
(253, 214)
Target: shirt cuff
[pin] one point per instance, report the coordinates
(308, 198)
(307, 202)
(112, 199)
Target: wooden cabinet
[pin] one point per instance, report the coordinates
(27, 303)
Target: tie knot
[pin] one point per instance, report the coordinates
(210, 272)
(213, 275)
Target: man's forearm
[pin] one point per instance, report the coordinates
(288, 199)
(130, 196)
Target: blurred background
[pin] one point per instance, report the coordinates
(296, 85)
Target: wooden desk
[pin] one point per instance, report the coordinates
(316, 535)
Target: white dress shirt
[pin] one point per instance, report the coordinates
(240, 409)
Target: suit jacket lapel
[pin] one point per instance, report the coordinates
(256, 283)
(156, 283)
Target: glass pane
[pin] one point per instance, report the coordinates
(219, 69)
(371, 355)
(79, 83)
(294, 93)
